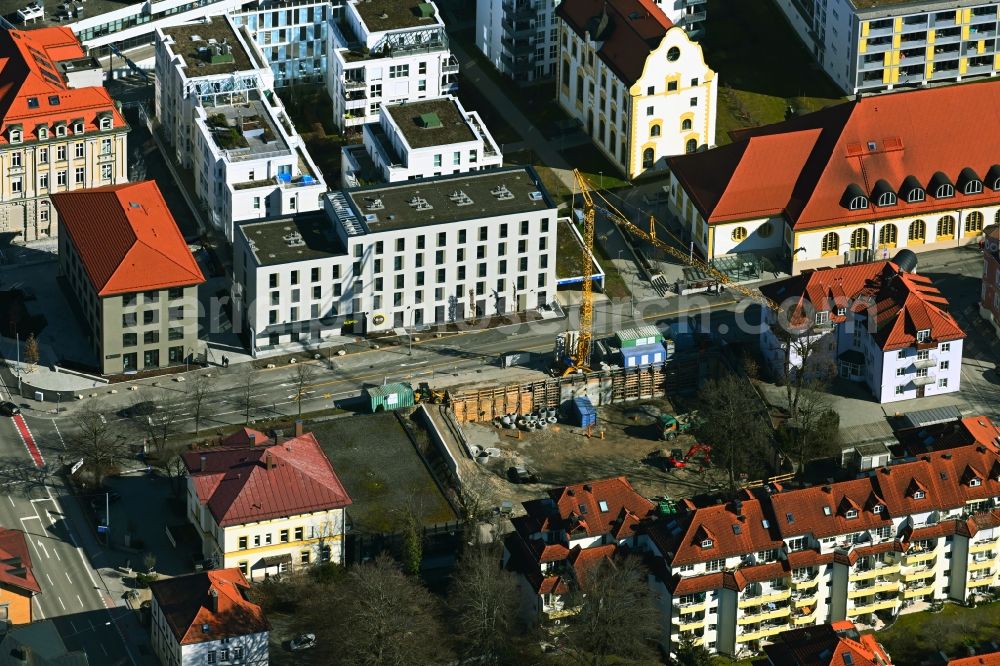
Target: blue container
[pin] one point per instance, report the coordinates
(584, 413)
(640, 356)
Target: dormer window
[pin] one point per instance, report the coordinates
(975, 482)
(919, 494)
(969, 182)
(851, 514)
(15, 135)
(941, 186)
(883, 194)
(923, 335)
(706, 543)
(841, 312)
(105, 122)
(61, 130)
(877, 508)
(43, 133)
(993, 177)
(823, 317)
(77, 127)
(854, 198)
(916, 195)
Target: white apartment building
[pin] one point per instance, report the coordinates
(215, 96)
(876, 45)
(402, 255)
(207, 618)
(287, 512)
(636, 82)
(292, 35)
(873, 184)
(386, 51)
(875, 323)
(432, 137)
(520, 38)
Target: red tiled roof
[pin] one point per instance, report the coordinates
(823, 510)
(234, 481)
(187, 604)
(15, 561)
(126, 238)
(889, 137)
(629, 29)
(991, 659)
(826, 645)
(729, 534)
(28, 72)
(950, 435)
(578, 508)
(896, 304)
(583, 560)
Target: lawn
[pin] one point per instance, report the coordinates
(763, 67)
(918, 635)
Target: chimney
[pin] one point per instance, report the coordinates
(269, 460)
(203, 458)
(827, 489)
(213, 600)
(21, 654)
(298, 427)
(587, 487)
(253, 440)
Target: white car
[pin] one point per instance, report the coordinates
(302, 642)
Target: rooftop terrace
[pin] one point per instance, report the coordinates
(449, 199)
(431, 122)
(200, 44)
(383, 15)
(245, 130)
(300, 238)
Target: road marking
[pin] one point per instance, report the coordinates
(56, 553)
(103, 649)
(80, 600)
(67, 577)
(50, 579)
(29, 441)
(38, 603)
(11, 500)
(52, 521)
(61, 603)
(44, 549)
(29, 518)
(61, 440)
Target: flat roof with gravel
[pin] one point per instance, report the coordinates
(275, 241)
(431, 122)
(195, 41)
(382, 15)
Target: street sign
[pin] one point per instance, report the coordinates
(102, 529)
(76, 466)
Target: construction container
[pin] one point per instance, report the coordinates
(639, 337)
(641, 356)
(583, 412)
(390, 396)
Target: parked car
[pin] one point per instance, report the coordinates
(144, 408)
(521, 474)
(9, 409)
(302, 642)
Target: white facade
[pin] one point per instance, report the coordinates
(520, 38)
(255, 547)
(366, 65)
(897, 44)
(391, 267)
(393, 159)
(669, 110)
(292, 35)
(229, 127)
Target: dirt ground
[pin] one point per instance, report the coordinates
(563, 454)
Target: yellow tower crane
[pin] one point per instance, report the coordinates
(581, 354)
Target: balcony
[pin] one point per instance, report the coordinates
(925, 362)
(777, 595)
(917, 573)
(982, 580)
(879, 568)
(800, 599)
(765, 614)
(804, 616)
(877, 605)
(804, 585)
(917, 557)
(923, 380)
(450, 66)
(980, 563)
(354, 84)
(693, 607)
(879, 588)
(691, 623)
(764, 631)
(980, 546)
(918, 590)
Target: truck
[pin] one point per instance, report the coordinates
(671, 426)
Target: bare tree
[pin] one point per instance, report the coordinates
(735, 424)
(484, 605)
(159, 425)
(814, 432)
(97, 442)
(383, 618)
(31, 352)
(617, 618)
(245, 396)
(200, 390)
(303, 375)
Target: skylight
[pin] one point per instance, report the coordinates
(603, 506)
(765, 523)
(789, 517)
(54, 100)
(826, 511)
(583, 509)
(32, 102)
(737, 529)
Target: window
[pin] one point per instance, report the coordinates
(211, 656)
(798, 543)
(105, 172)
(78, 149)
(15, 159)
(915, 195)
(918, 231)
(43, 183)
(243, 543)
(129, 340)
(944, 191)
(973, 223)
(437, 160)
(739, 233)
(671, 86)
(900, 372)
(923, 335)
(943, 382)
(715, 565)
(877, 508)
(129, 319)
(654, 130)
(43, 155)
(151, 337)
(945, 365)
(686, 124)
(650, 110)
(900, 390)
(150, 317)
(399, 71)
(887, 236)
(859, 239)
(61, 153)
(887, 199)
(858, 203)
(78, 175)
(691, 146)
(673, 53)
(256, 203)
(830, 244)
(421, 68)
(456, 158)
(15, 136)
(298, 533)
(273, 280)
(175, 333)
(851, 514)
(946, 347)
(694, 101)
(823, 317)
(648, 158)
(283, 536)
(105, 146)
(918, 494)
(706, 543)
(16, 184)
(973, 186)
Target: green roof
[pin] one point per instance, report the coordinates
(390, 389)
(430, 120)
(425, 9)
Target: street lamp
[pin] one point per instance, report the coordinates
(602, 179)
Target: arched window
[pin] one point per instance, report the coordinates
(973, 187)
(648, 157)
(831, 243)
(691, 146)
(946, 227)
(916, 195)
(888, 235)
(739, 233)
(654, 130)
(944, 191)
(859, 239)
(918, 230)
(887, 199)
(686, 124)
(973, 223)
(565, 73)
(601, 130)
(765, 230)
(858, 203)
